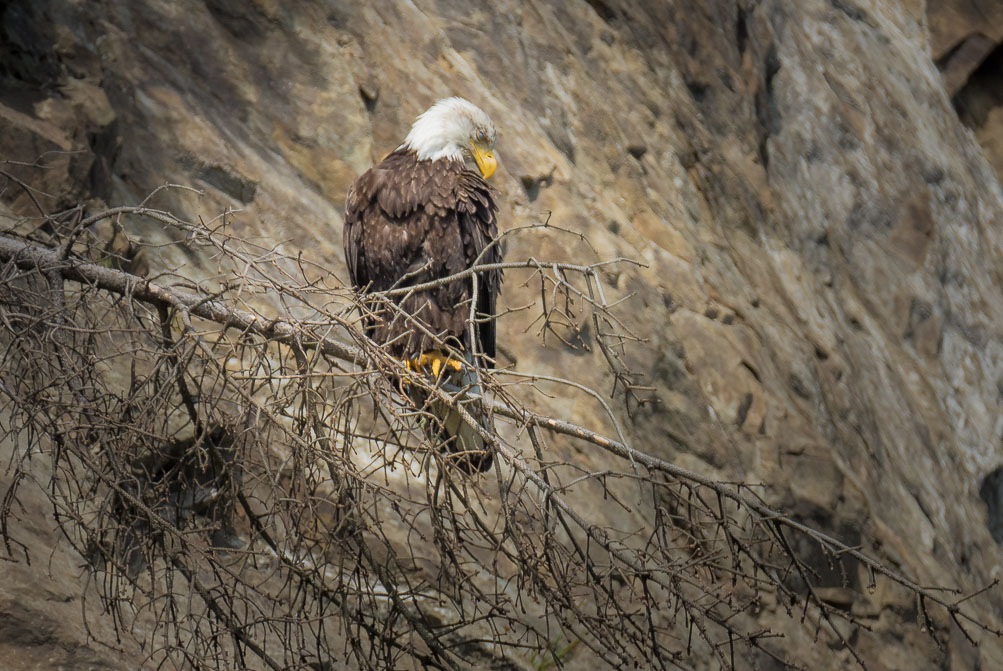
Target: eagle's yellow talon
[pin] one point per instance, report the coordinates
(437, 361)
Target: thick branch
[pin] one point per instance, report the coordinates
(27, 256)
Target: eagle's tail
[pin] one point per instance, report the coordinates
(464, 442)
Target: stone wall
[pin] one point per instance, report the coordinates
(821, 298)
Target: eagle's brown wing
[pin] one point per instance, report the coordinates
(479, 223)
(408, 222)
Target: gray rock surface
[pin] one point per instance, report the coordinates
(821, 231)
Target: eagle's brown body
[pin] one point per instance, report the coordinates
(424, 220)
(418, 217)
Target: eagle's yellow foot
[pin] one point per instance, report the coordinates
(437, 361)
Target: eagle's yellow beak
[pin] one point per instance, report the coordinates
(485, 159)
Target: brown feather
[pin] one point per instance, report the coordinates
(405, 213)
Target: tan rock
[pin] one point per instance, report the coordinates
(821, 304)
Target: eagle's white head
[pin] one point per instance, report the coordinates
(456, 129)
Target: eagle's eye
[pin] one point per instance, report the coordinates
(481, 137)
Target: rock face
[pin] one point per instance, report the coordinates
(821, 298)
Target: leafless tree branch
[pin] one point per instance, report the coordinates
(257, 490)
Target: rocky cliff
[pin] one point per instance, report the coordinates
(813, 190)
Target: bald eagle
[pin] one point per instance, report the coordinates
(419, 215)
